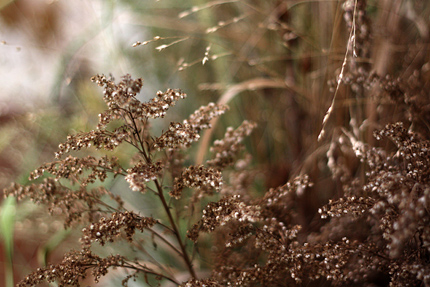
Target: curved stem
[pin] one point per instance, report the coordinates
(139, 268)
(149, 271)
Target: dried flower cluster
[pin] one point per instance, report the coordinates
(66, 187)
(393, 208)
(106, 230)
(226, 150)
(141, 173)
(73, 268)
(73, 168)
(75, 205)
(201, 178)
(121, 99)
(183, 135)
(219, 213)
(370, 225)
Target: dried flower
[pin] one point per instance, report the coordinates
(122, 102)
(142, 173)
(183, 135)
(204, 180)
(178, 136)
(73, 268)
(107, 229)
(74, 168)
(226, 150)
(219, 213)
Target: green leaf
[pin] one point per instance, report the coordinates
(7, 226)
(7, 222)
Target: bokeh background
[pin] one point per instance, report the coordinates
(274, 62)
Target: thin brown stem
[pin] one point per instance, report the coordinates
(176, 231)
(166, 207)
(166, 242)
(139, 268)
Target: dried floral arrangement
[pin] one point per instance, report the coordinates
(374, 232)
(257, 240)
(155, 158)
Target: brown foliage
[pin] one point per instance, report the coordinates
(375, 231)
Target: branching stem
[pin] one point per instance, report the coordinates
(166, 207)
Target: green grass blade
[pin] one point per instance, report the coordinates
(7, 224)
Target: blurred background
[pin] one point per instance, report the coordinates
(274, 62)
